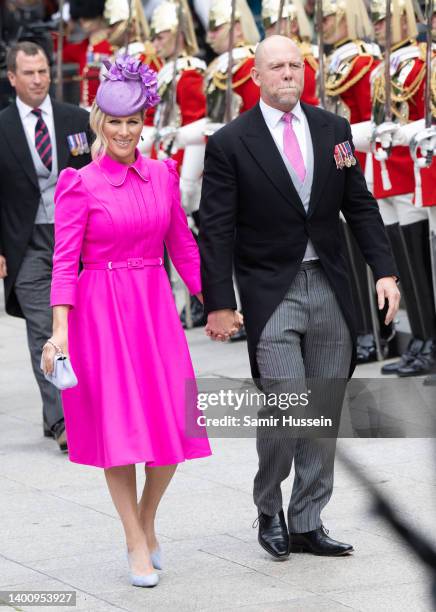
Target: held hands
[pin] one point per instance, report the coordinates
(387, 290)
(3, 267)
(49, 351)
(222, 324)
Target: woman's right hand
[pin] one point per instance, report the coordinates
(49, 351)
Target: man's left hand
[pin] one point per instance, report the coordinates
(387, 290)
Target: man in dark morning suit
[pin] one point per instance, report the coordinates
(34, 148)
(271, 198)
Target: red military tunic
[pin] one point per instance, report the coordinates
(348, 82)
(408, 83)
(190, 96)
(311, 66)
(89, 57)
(245, 87)
(428, 185)
(246, 90)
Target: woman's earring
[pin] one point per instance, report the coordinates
(142, 138)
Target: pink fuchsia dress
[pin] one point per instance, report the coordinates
(126, 343)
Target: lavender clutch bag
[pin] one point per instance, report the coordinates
(63, 376)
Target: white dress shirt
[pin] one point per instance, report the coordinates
(28, 119)
(46, 180)
(274, 120)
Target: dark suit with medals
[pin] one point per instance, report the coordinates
(26, 236)
(299, 316)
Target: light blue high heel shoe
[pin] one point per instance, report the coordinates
(156, 558)
(145, 580)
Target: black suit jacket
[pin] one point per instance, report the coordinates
(251, 216)
(19, 190)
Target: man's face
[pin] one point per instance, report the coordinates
(31, 79)
(279, 73)
(218, 39)
(288, 27)
(380, 32)
(165, 44)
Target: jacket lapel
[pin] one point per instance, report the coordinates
(262, 147)
(14, 132)
(62, 123)
(323, 148)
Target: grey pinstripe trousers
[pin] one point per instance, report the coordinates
(306, 337)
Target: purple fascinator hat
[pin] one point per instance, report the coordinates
(128, 87)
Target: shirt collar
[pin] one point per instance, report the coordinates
(115, 172)
(273, 116)
(25, 110)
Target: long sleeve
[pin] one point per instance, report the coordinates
(218, 209)
(179, 240)
(362, 214)
(71, 214)
(191, 97)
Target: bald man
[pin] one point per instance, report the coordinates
(275, 182)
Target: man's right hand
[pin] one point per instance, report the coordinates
(221, 324)
(3, 267)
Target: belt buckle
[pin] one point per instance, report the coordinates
(135, 262)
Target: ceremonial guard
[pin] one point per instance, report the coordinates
(295, 24)
(421, 137)
(400, 103)
(90, 53)
(245, 36)
(349, 66)
(234, 37)
(180, 80)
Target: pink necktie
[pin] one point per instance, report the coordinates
(292, 148)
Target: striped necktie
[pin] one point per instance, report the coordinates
(42, 139)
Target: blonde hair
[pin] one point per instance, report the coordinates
(97, 119)
(96, 122)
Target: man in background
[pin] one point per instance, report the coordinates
(38, 138)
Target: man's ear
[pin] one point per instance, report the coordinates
(11, 77)
(255, 76)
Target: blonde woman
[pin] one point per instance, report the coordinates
(118, 320)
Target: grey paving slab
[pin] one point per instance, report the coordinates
(308, 604)
(408, 597)
(58, 528)
(232, 590)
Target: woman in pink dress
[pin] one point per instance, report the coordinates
(118, 320)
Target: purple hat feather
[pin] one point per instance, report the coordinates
(128, 87)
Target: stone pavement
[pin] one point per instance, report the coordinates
(58, 529)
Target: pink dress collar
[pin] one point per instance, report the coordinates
(115, 172)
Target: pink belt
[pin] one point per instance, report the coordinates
(132, 264)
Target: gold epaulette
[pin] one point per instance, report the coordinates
(150, 56)
(400, 93)
(337, 80)
(307, 53)
(217, 70)
(433, 88)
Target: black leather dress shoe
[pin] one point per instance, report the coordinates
(366, 350)
(273, 534)
(47, 431)
(318, 542)
(59, 435)
(413, 349)
(424, 362)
